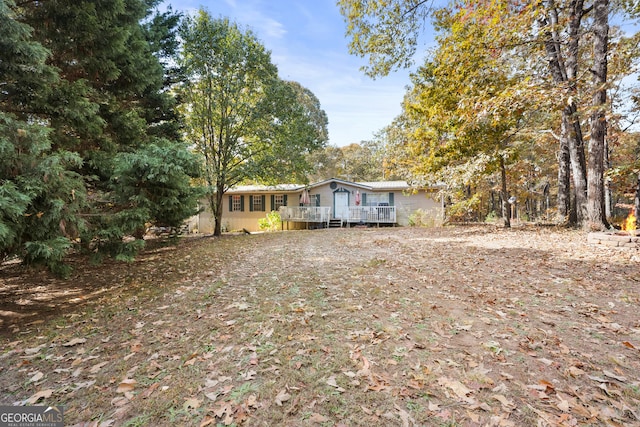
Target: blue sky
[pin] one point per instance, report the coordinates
(308, 44)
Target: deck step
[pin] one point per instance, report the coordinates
(335, 223)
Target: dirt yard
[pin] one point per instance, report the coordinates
(466, 326)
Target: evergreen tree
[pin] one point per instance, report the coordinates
(93, 126)
(40, 195)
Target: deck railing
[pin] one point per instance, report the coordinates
(372, 214)
(355, 214)
(305, 213)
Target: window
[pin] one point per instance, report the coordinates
(277, 201)
(372, 199)
(236, 203)
(256, 203)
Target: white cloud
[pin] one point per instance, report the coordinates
(268, 27)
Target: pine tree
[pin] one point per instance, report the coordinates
(40, 195)
(102, 146)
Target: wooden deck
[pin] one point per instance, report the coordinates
(355, 215)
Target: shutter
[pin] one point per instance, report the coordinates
(273, 202)
(364, 199)
(391, 199)
(241, 203)
(230, 203)
(264, 207)
(250, 203)
(285, 200)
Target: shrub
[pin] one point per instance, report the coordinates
(272, 222)
(422, 218)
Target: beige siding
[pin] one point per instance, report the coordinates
(406, 204)
(233, 221)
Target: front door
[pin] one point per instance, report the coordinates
(341, 205)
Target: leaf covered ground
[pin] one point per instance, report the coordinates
(466, 326)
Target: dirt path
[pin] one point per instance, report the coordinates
(456, 326)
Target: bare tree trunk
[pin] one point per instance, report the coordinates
(218, 208)
(596, 219)
(564, 68)
(570, 113)
(578, 164)
(564, 181)
(608, 193)
(505, 196)
(636, 203)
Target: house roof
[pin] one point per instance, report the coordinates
(386, 185)
(375, 185)
(294, 188)
(279, 188)
(339, 181)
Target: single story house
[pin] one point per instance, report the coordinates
(332, 202)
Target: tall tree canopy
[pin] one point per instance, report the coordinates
(85, 120)
(248, 124)
(552, 47)
(353, 162)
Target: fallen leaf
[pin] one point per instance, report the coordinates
(43, 394)
(252, 401)
(211, 396)
(207, 421)
(75, 341)
(546, 361)
(628, 344)
(575, 371)
(96, 368)
(458, 388)
(614, 376)
(407, 420)
(547, 384)
(191, 403)
(36, 377)
(191, 359)
(318, 418)
(332, 382)
(563, 405)
(126, 385)
(248, 376)
(506, 403)
(366, 410)
(283, 396)
(149, 390)
(34, 350)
